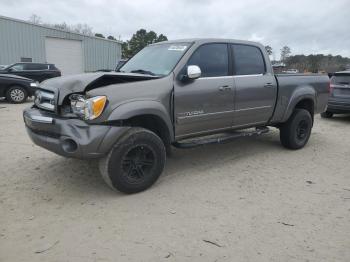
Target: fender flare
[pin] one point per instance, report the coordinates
(138, 108)
(301, 93)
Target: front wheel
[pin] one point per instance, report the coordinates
(135, 162)
(295, 133)
(16, 94)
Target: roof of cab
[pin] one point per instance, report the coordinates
(210, 40)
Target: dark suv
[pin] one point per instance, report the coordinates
(35, 71)
(339, 95)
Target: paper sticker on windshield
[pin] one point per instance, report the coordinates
(177, 48)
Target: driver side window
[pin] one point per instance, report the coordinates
(212, 59)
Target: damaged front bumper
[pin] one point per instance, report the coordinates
(70, 137)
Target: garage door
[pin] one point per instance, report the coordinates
(67, 55)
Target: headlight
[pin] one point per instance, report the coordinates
(36, 84)
(87, 108)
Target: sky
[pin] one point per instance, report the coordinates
(307, 27)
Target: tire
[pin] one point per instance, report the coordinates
(295, 133)
(16, 94)
(326, 114)
(135, 162)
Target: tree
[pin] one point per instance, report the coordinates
(35, 19)
(268, 49)
(99, 35)
(111, 38)
(316, 63)
(126, 52)
(84, 29)
(285, 52)
(62, 26)
(162, 38)
(139, 40)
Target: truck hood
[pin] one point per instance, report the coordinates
(83, 83)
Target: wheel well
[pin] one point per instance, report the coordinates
(153, 123)
(13, 85)
(308, 105)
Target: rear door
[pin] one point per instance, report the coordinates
(205, 104)
(37, 72)
(256, 89)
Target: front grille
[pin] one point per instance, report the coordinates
(45, 100)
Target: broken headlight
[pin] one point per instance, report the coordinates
(87, 108)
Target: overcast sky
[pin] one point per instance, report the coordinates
(308, 26)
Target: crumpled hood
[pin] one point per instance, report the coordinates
(82, 83)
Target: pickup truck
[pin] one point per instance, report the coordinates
(182, 93)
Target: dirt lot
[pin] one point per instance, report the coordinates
(250, 200)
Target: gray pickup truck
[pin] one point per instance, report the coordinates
(181, 93)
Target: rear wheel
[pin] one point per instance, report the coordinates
(326, 114)
(16, 94)
(295, 133)
(135, 162)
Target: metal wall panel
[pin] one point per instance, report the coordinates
(23, 39)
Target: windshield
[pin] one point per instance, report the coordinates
(7, 66)
(156, 60)
(14, 67)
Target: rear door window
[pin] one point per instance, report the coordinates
(52, 67)
(248, 60)
(212, 59)
(36, 67)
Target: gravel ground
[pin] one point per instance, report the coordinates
(249, 200)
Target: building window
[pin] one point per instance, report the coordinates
(26, 59)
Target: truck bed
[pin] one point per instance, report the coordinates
(290, 85)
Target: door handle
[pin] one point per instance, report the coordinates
(268, 85)
(224, 88)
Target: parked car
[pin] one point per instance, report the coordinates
(174, 93)
(16, 89)
(3, 66)
(35, 71)
(339, 95)
(291, 71)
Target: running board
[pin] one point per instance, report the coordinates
(190, 143)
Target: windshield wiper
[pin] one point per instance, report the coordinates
(144, 72)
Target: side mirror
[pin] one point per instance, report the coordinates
(193, 72)
(10, 70)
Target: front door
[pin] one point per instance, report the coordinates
(205, 104)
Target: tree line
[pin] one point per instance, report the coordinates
(139, 40)
(311, 63)
(83, 29)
